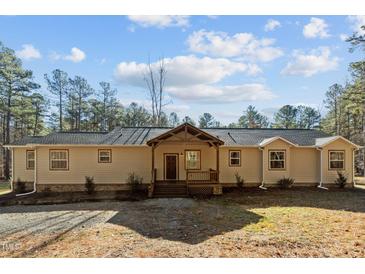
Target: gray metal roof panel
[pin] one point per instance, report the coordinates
(140, 135)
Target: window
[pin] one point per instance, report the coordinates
(234, 158)
(30, 159)
(277, 159)
(104, 155)
(192, 159)
(58, 159)
(337, 159)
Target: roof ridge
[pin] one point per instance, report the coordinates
(90, 132)
(265, 128)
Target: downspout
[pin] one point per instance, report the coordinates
(35, 177)
(262, 186)
(12, 170)
(321, 179)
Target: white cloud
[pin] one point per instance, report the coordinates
(177, 108)
(28, 52)
(356, 22)
(317, 27)
(192, 78)
(54, 56)
(343, 36)
(218, 94)
(160, 21)
(77, 55)
(185, 70)
(171, 107)
(316, 61)
(272, 25)
(242, 45)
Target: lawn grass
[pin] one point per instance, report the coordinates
(306, 222)
(4, 187)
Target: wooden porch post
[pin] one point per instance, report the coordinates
(153, 160)
(152, 184)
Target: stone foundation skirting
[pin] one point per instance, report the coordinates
(81, 187)
(296, 184)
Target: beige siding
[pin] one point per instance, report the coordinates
(250, 168)
(272, 176)
(329, 176)
(20, 172)
(302, 164)
(305, 165)
(207, 154)
(83, 161)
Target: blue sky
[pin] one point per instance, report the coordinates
(216, 64)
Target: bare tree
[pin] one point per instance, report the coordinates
(155, 77)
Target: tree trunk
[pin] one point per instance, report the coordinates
(36, 122)
(61, 123)
(7, 138)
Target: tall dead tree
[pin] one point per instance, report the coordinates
(155, 77)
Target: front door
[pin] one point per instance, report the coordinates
(171, 166)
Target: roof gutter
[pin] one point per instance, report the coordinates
(71, 145)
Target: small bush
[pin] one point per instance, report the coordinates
(134, 181)
(286, 182)
(89, 185)
(341, 180)
(21, 187)
(240, 181)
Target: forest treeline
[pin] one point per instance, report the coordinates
(69, 103)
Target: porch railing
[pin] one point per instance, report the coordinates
(199, 177)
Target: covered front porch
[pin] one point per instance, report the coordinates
(185, 158)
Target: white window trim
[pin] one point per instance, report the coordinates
(283, 160)
(52, 160)
(109, 151)
(30, 160)
(234, 158)
(198, 160)
(329, 160)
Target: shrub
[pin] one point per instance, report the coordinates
(239, 180)
(134, 181)
(89, 185)
(20, 187)
(341, 179)
(286, 182)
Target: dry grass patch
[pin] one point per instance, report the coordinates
(4, 187)
(273, 223)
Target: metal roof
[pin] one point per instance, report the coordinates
(140, 136)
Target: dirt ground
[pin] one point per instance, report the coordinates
(273, 223)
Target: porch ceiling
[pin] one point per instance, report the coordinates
(190, 130)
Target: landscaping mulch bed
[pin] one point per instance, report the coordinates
(274, 223)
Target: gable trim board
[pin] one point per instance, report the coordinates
(302, 161)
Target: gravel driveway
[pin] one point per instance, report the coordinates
(252, 224)
(33, 230)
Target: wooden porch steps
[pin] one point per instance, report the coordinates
(170, 190)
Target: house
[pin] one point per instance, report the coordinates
(2, 162)
(185, 156)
